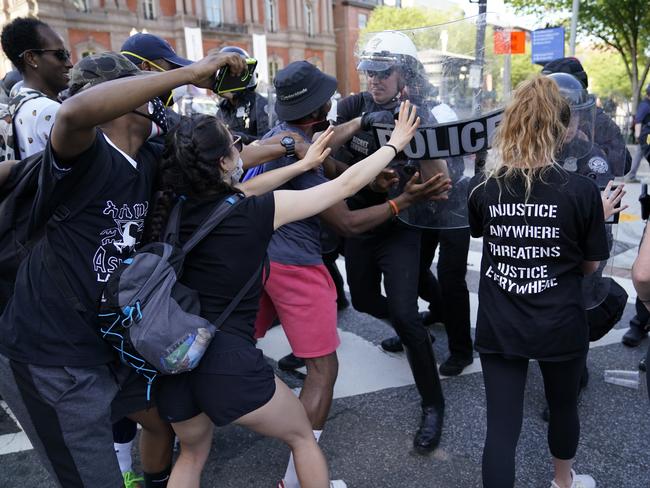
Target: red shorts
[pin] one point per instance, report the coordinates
(303, 298)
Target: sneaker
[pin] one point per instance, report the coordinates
(579, 481)
(454, 365)
(131, 480)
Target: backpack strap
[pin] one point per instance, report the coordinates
(263, 270)
(218, 214)
(173, 227)
(14, 106)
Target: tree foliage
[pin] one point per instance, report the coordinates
(621, 25)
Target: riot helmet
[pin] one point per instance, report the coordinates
(390, 51)
(252, 84)
(580, 131)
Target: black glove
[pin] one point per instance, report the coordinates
(645, 202)
(370, 118)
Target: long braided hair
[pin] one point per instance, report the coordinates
(189, 167)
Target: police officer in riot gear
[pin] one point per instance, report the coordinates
(607, 135)
(393, 250)
(245, 112)
(582, 155)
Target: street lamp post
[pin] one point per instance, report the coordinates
(479, 53)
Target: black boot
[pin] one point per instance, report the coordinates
(394, 344)
(425, 373)
(634, 335)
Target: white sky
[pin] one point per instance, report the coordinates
(505, 14)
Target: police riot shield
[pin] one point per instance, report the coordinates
(451, 73)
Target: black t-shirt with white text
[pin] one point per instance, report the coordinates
(530, 299)
(220, 265)
(40, 325)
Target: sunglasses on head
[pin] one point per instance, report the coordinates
(380, 75)
(60, 54)
(237, 143)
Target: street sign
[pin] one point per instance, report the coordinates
(547, 45)
(509, 42)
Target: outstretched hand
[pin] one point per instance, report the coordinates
(435, 188)
(318, 151)
(204, 70)
(405, 127)
(613, 198)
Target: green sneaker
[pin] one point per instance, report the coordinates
(131, 480)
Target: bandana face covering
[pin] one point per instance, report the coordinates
(158, 117)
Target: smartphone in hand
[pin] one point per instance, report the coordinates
(228, 82)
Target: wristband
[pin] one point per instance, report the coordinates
(393, 207)
(392, 147)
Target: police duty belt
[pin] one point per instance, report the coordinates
(439, 141)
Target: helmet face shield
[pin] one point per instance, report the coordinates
(579, 138)
(458, 92)
(376, 63)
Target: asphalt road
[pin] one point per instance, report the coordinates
(368, 437)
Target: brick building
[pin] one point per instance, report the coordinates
(294, 29)
(350, 16)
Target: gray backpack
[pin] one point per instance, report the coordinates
(152, 320)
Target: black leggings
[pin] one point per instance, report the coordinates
(505, 382)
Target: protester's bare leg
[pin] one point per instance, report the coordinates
(318, 389)
(284, 418)
(195, 436)
(563, 472)
(156, 441)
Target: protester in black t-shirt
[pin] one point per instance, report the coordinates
(233, 383)
(542, 229)
(56, 373)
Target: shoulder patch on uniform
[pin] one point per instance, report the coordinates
(598, 165)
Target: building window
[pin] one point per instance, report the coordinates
(214, 11)
(148, 9)
(271, 10)
(316, 61)
(310, 23)
(275, 65)
(363, 21)
(82, 5)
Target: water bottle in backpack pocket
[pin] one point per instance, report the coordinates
(151, 319)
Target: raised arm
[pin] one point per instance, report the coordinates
(296, 205)
(74, 129)
(270, 180)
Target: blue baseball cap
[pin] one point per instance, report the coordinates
(147, 47)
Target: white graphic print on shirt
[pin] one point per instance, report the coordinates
(119, 242)
(525, 279)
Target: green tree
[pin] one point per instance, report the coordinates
(622, 25)
(522, 67)
(607, 74)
